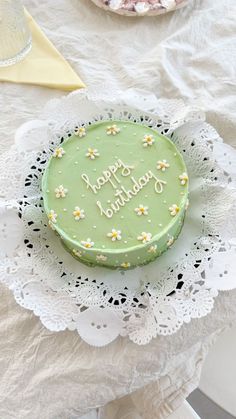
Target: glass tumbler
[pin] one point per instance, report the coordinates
(15, 37)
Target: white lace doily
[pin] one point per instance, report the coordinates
(102, 304)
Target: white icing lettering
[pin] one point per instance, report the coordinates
(107, 176)
(89, 185)
(123, 195)
(108, 212)
(115, 206)
(101, 181)
(121, 199)
(126, 170)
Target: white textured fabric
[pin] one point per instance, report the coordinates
(189, 54)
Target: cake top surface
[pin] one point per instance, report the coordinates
(114, 185)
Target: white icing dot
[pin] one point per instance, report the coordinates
(64, 209)
(175, 154)
(122, 217)
(77, 148)
(135, 133)
(116, 157)
(59, 171)
(94, 170)
(149, 221)
(47, 191)
(181, 193)
(131, 152)
(126, 255)
(83, 196)
(142, 160)
(74, 237)
(160, 225)
(164, 202)
(76, 162)
(125, 241)
(97, 138)
(94, 226)
(103, 246)
(108, 201)
(124, 126)
(146, 196)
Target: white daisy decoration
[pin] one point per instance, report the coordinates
(141, 210)
(183, 178)
(77, 253)
(59, 152)
(92, 153)
(87, 243)
(114, 235)
(148, 140)
(152, 249)
(80, 132)
(125, 265)
(170, 241)
(52, 216)
(174, 209)
(78, 213)
(61, 192)
(145, 237)
(162, 165)
(113, 130)
(101, 258)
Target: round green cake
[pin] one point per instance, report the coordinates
(116, 193)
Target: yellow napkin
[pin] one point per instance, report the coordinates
(44, 65)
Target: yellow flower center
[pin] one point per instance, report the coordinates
(77, 213)
(142, 209)
(114, 234)
(87, 245)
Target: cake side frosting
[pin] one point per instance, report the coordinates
(116, 192)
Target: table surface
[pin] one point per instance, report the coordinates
(188, 54)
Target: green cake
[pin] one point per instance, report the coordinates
(116, 193)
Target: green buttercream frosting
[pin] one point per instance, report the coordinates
(116, 192)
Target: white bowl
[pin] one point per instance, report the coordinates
(141, 10)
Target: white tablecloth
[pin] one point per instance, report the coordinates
(188, 54)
